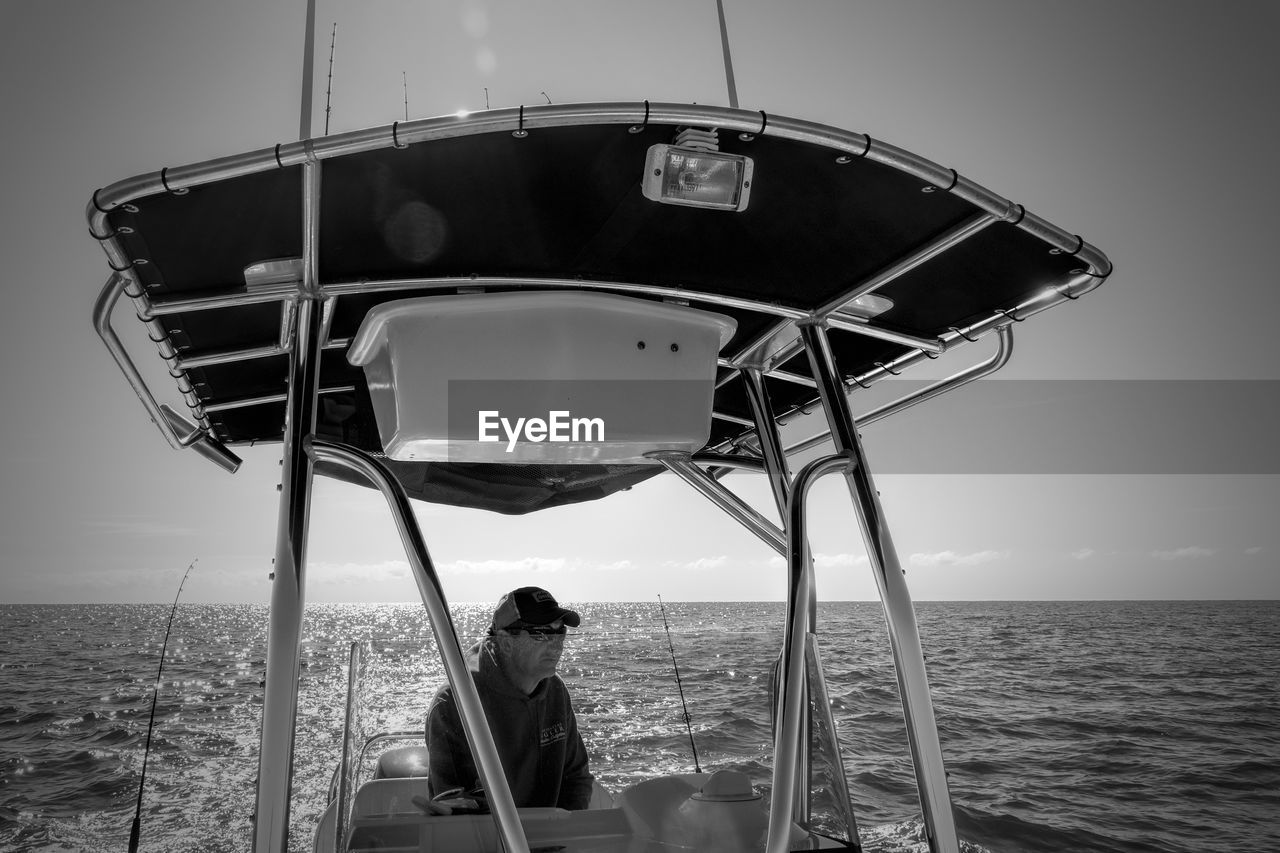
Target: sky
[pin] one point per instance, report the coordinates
(1129, 458)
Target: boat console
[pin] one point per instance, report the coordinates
(708, 812)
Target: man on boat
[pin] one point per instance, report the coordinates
(527, 706)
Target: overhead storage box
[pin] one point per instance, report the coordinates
(539, 376)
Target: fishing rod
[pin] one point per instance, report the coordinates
(136, 829)
(688, 724)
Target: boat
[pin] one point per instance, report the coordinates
(696, 278)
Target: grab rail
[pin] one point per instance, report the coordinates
(978, 371)
(176, 429)
(787, 739)
(479, 738)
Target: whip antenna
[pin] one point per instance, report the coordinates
(405, 77)
(329, 91)
(687, 723)
(136, 829)
(728, 60)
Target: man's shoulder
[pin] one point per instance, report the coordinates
(554, 689)
(442, 702)
(444, 693)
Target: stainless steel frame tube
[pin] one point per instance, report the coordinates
(246, 402)
(904, 637)
(790, 747)
(780, 482)
(998, 360)
(709, 487)
(284, 637)
(775, 461)
(474, 723)
(102, 323)
(949, 240)
(280, 703)
(841, 142)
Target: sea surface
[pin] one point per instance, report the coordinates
(1151, 727)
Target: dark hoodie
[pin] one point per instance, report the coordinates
(536, 735)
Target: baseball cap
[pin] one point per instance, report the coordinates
(533, 606)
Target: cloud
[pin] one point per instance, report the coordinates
(838, 561)
(110, 579)
(722, 561)
(544, 565)
(140, 528)
(951, 558)
(822, 561)
(160, 584)
(616, 566)
(1192, 552)
(1252, 551)
(342, 574)
(1083, 554)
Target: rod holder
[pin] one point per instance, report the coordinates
(191, 436)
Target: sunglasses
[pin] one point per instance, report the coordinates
(538, 633)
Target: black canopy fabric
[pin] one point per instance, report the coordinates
(557, 204)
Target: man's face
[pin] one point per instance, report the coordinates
(534, 655)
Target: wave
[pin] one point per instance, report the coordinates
(1078, 727)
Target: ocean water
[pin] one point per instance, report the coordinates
(1085, 726)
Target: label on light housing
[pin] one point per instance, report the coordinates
(697, 178)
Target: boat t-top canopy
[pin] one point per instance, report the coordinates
(900, 258)
(806, 259)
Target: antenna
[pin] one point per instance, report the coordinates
(728, 60)
(329, 92)
(548, 97)
(486, 97)
(405, 77)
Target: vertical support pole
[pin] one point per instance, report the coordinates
(775, 461)
(904, 637)
(775, 466)
(789, 745)
(284, 637)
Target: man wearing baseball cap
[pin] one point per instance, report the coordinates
(527, 706)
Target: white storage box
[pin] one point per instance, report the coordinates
(550, 376)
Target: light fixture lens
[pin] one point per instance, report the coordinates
(272, 272)
(869, 305)
(697, 178)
